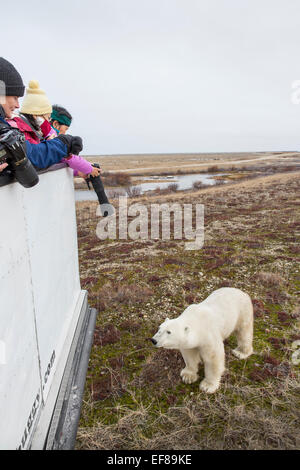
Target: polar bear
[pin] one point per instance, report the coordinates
(200, 330)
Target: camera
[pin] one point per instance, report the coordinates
(13, 152)
(105, 206)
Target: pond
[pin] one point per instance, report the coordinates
(183, 181)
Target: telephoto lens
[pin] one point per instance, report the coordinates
(105, 206)
(25, 173)
(13, 152)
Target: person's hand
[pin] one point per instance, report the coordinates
(82, 175)
(96, 172)
(74, 144)
(2, 166)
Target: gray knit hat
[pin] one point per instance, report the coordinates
(14, 85)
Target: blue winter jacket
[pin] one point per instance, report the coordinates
(46, 153)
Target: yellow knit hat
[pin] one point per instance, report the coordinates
(35, 101)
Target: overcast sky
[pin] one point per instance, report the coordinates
(162, 76)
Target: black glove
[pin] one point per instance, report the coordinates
(74, 144)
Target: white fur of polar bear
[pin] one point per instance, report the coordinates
(200, 330)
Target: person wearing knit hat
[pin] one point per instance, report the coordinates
(44, 154)
(35, 101)
(34, 123)
(11, 78)
(35, 114)
(11, 87)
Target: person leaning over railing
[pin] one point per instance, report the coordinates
(60, 122)
(46, 153)
(34, 123)
(61, 119)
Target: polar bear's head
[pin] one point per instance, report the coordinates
(171, 334)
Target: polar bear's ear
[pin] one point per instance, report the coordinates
(167, 319)
(186, 329)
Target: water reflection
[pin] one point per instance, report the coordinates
(183, 182)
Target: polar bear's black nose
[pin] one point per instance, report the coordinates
(153, 341)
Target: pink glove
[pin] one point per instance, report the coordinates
(79, 163)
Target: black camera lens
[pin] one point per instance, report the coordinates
(13, 151)
(26, 175)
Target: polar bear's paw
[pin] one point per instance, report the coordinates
(241, 355)
(188, 377)
(209, 387)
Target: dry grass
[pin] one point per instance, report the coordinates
(116, 179)
(205, 422)
(134, 398)
(182, 163)
(270, 279)
(111, 294)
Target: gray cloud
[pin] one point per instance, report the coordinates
(165, 75)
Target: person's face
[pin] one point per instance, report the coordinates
(10, 103)
(47, 117)
(60, 128)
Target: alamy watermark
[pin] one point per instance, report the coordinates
(2, 92)
(144, 223)
(296, 353)
(2, 353)
(295, 94)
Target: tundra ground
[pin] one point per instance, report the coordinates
(134, 397)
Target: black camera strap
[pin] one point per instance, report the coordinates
(3, 124)
(24, 118)
(5, 175)
(2, 113)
